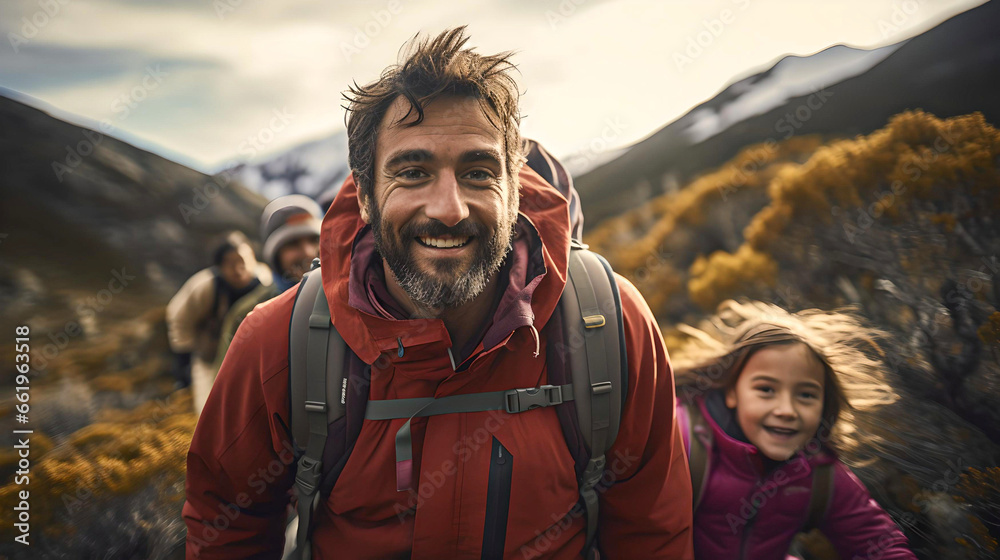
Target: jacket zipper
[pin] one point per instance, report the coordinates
(746, 537)
(746, 528)
(497, 502)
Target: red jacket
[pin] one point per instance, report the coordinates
(748, 513)
(239, 466)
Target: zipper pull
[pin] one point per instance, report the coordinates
(500, 458)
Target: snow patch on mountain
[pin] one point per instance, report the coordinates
(791, 77)
(315, 169)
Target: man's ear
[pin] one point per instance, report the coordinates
(363, 205)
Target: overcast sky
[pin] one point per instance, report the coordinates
(192, 79)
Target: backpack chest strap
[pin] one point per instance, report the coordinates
(512, 401)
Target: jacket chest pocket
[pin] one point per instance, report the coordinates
(497, 501)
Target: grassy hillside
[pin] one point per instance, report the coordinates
(96, 236)
(900, 223)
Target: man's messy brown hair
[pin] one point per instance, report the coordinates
(430, 69)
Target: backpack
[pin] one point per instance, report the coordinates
(591, 347)
(697, 435)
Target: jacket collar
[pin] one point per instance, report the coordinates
(536, 280)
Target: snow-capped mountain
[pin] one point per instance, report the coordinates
(839, 92)
(791, 77)
(315, 169)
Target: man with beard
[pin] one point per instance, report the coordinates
(443, 261)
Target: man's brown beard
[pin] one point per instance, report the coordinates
(428, 291)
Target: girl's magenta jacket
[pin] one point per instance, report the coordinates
(746, 513)
(239, 467)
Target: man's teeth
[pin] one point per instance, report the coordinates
(443, 243)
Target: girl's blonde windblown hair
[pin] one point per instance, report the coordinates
(848, 350)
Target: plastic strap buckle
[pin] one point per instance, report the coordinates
(316, 406)
(519, 400)
(593, 473)
(307, 477)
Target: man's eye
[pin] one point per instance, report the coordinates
(479, 175)
(411, 174)
(765, 389)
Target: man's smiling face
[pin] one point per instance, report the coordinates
(444, 207)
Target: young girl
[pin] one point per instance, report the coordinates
(764, 403)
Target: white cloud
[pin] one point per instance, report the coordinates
(584, 63)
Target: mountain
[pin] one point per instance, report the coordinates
(95, 236)
(839, 92)
(80, 207)
(315, 169)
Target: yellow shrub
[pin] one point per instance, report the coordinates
(723, 275)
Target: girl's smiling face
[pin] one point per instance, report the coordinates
(778, 398)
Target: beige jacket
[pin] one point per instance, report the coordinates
(192, 325)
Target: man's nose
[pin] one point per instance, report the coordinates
(446, 202)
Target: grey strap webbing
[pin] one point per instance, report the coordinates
(323, 345)
(597, 382)
(512, 401)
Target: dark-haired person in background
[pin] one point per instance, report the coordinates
(289, 230)
(195, 313)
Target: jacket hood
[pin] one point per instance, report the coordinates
(544, 234)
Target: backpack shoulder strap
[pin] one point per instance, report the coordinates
(316, 375)
(822, 495)
(698, 457)
(594, 331)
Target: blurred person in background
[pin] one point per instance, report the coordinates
(289, 230)
(195, 314)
